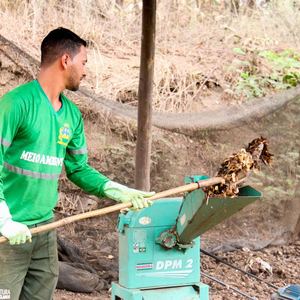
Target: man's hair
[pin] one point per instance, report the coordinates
(58, 42)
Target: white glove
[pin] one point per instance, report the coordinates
(15, 232)
(122, 193)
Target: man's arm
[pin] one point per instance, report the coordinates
(77, 168)
(10, 120)
(9, 123)
(93, 182)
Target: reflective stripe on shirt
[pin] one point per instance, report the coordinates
(78, 151)
(4, 142)
(29, 173)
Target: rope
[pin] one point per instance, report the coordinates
(238, 269)
(228, 286)
(186, 123)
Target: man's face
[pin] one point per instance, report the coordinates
(76, 70)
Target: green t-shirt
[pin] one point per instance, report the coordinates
(35, 142)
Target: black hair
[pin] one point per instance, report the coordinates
(58, 42)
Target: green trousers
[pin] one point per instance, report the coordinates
(29, 271)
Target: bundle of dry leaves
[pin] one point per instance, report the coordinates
(238, 167)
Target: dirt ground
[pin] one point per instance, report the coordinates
(244, 241)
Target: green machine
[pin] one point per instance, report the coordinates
(159, 247)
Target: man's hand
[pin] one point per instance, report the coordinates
(124, 194)
(17, 233)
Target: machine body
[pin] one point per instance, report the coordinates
(146, 269)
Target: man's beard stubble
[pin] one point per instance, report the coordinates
(73, 84)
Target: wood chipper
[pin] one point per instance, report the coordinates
(159, 247)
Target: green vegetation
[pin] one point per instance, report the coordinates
(262, 71)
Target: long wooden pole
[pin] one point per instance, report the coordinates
(144, 135)
(103, 211)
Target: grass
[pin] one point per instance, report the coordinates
(194, 45)
(263, 72)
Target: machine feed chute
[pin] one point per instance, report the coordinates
(198, 214)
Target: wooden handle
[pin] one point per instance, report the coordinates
(103, 211)
(187, 188)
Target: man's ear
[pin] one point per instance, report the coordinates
(65, 60)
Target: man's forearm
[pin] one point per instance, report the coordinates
(89, 179)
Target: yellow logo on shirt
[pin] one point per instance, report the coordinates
(64, 135)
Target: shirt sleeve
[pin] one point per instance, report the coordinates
(77, 168)
(10, 120)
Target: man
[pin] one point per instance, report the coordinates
(40, 130)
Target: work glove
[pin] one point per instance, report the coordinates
(121, 193)
(15, 232)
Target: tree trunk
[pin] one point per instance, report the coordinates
(143, 148)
